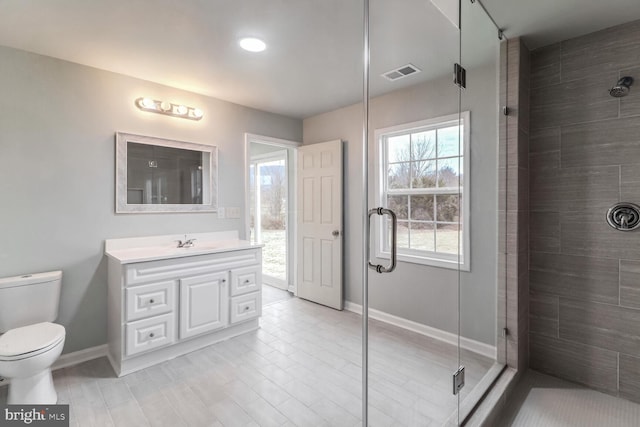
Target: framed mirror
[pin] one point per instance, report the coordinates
(162, 175)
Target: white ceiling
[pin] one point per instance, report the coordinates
(313, 62)
(543, 22)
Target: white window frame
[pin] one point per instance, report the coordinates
(461, 261)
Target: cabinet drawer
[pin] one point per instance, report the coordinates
(150, 300)
(148, 334)
(246, 307)
(245, 280)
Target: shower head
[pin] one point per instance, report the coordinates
(622, 87)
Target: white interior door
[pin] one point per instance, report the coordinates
(319, 223)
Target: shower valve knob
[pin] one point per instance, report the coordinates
(624, 216)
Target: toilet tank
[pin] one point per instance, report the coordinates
(29, 299)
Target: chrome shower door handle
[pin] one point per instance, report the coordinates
(394, 238)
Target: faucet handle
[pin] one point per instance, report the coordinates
(187, 243)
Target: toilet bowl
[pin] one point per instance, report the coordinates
(26, 356)
(29, 340)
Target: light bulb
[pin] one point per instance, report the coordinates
(147, 103)
(197, 113)
(165, 106)
(181, 109)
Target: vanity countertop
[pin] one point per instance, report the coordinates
(127, 251)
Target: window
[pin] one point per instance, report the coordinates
(423, 177)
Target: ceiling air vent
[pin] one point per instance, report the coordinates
(401, 72)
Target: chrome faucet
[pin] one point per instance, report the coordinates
(186, 244)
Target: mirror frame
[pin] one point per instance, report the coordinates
(210, 205)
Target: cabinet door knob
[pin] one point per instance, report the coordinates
(224, 280)
(151, 335)
(151, 301)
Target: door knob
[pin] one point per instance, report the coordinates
(335, 233)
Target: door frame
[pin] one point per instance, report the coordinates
(292, 200)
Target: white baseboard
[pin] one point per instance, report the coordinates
(448, 337)
(76, 357)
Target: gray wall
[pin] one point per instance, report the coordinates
(424, 294)
(57, 164)
(584, 157)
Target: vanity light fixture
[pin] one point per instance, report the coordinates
(252, 44)
(169, 108)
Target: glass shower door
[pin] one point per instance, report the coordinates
(482, 292)
(416, 141)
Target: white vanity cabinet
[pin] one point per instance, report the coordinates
(160, 308)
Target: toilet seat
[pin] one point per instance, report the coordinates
(30, 341)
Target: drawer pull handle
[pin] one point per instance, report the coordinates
(151, 335)
(246, 308)
(246, 281)
(224, 280)
(151, 301)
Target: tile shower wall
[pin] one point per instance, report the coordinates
(584, 156)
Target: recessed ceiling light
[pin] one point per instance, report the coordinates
(252, 44)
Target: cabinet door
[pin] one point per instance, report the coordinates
(203, 304)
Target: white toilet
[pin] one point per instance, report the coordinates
(30, 343)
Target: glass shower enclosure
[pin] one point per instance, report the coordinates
(432, 126)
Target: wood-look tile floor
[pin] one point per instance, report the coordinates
(301, 368)
(540, 400)
(272, 295)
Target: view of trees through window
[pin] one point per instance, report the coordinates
(423, 172)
